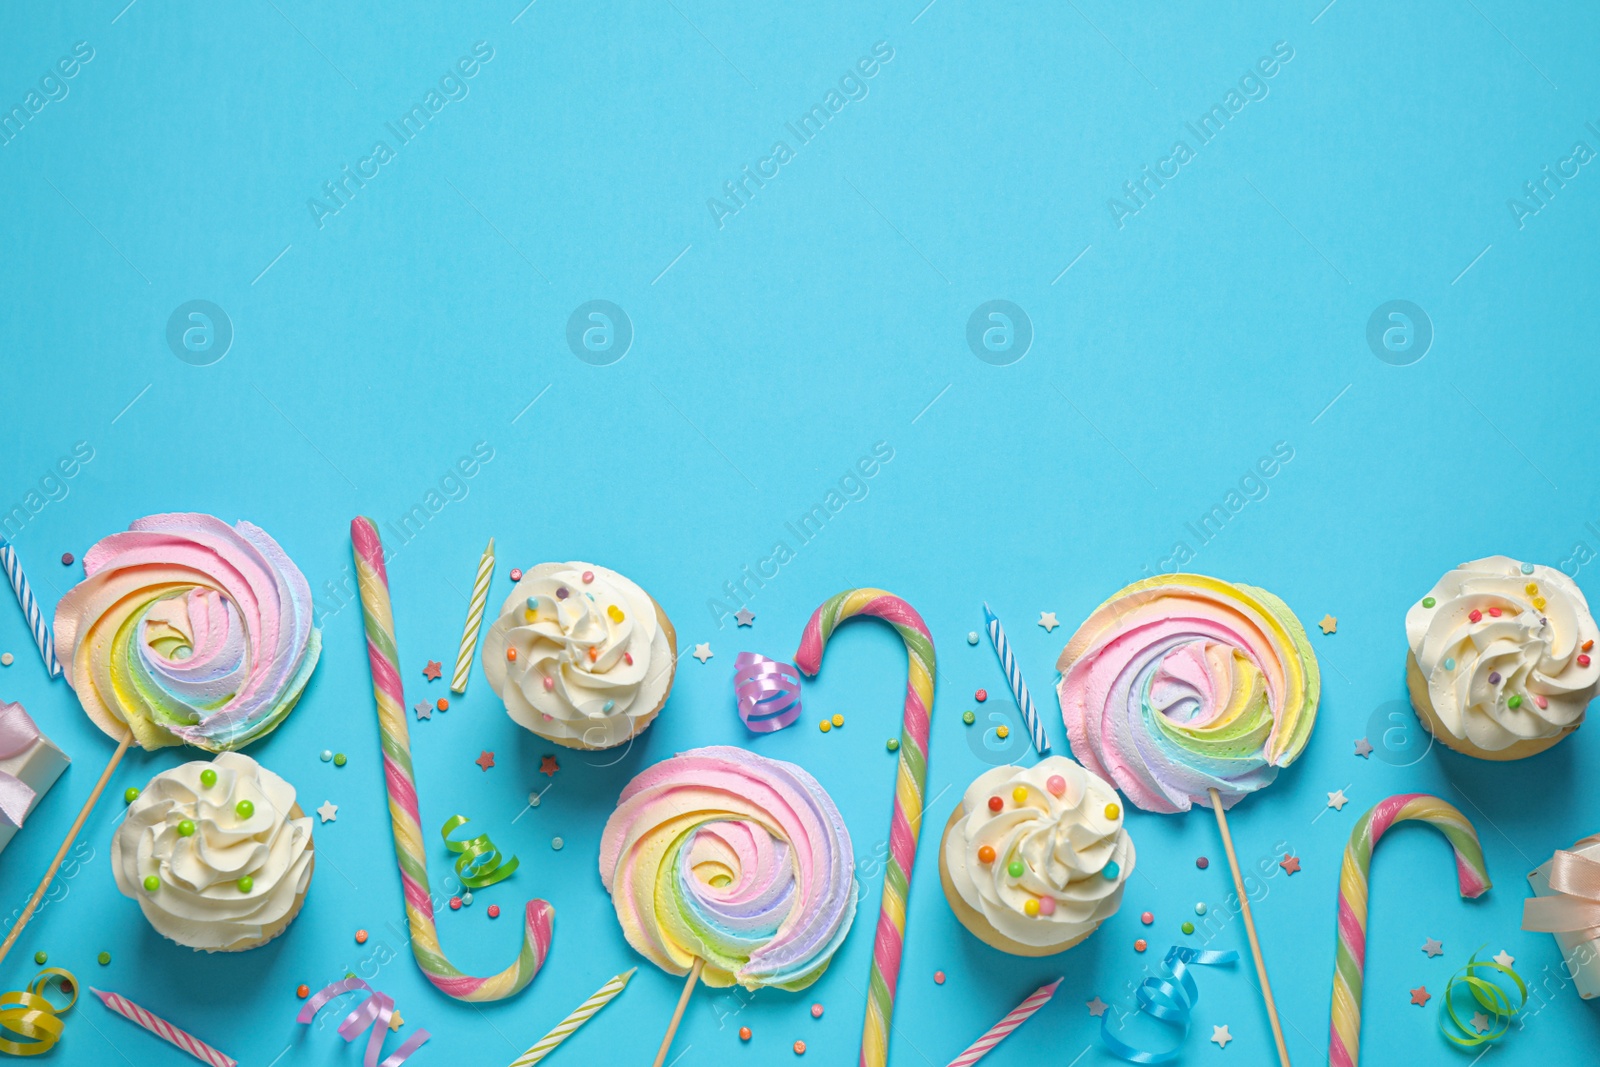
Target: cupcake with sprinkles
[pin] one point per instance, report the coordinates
(581, 655)
(1501, 660)
(1035, 859)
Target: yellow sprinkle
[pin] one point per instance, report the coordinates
(1538, 603)
(615, 613)
(1020, 794)
(1030, 907)
(530, 615)
(838, 720)
(825, 725)
(1531, 588)
(1002, 732)
(1112, 811)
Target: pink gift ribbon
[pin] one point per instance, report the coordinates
(18, 733)
(768, 692)
(1575, 909)
(375, 1011)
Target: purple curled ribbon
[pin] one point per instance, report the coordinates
(375, 1011)
(767, 692)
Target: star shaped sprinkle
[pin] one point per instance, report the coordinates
(329, 811)
(702, 651)
(1480, 1021)
(744, 617)
(1047, 619)
(395, 1022)
(1290, 864)
(423, 709)
(1433, 948)
(1420, 996)
(485, 760)
(1329, 624)
(548, 765)
(432, 671)
(1097, 1007)
(1220, 1035)
(1363, 748)
(1337, 800)
(1505, 959)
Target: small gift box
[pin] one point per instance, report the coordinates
(1566, 903)
(29, 766)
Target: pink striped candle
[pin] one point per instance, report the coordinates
(1000, 1030)
(164, 1030)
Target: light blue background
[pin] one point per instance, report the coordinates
(769, 355)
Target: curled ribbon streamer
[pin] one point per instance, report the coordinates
(375, 1011)
(767, 692)
(1170, 1001)
(30, 1015)
(1488, 996)
(479, 863)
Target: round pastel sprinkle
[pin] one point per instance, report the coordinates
(208, 778)
(1047, 905)
(326, 755)
(1140, 945)
(455, 903)
(1513, 701)
(1494, 677)
(245, 809)
(1583, 660)
(1494, 613)
(246, 884)
(799, 1048)
(1002, 732)
(466, 898)
(1056, 784)
(614, 613)
(1475, 615)
(608, 705)
(1112, 811)
(152, 883)
(1202, 863)
(985, 853)
(41, 957)
(1539, 603)
(744, 1033)
(511, 655)
(816, 1011)
(66, 559)
(533, 605)
(516, 574)
(1449, 664)
(1200, 908)
(972, 637)
(981, 695)
(1111, 870)
(186, 828)
(995, 803)
(1527, 568)
(7, 659)
(893, 744)
(557, 844)
(968, 717)
(494, 911)
(1531, 588)
(1147, 918)
(130, 794)
(838, 720)
(105, 958)
(1015, 868)
(561, 592)
(1030, 908)
(549, 683)
(1428, 602)
(1540, 700)
(588, 576)
(824, 725)
(339, 759)
(361, 937)
(1187, 928)
(938, 978)
(302, 991)
(1020, 794)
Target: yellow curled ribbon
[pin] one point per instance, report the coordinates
(30, 1015)
(479, 861)
(1488, 995)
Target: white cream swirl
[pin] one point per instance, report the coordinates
(1507, 652)
(226, 877)
(579, 655)
(1066, 832)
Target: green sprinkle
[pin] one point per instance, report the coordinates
(152, 883)
(1428, 602)
(1187, 928)
(104, 958)
(186, 828)
(1513, 701)
(1015, 868)
(968, 717)
(245, 883)
(130, 794)
(339, 759)
(893, 744)
(41, 957)
(208, 778)
(245, 809)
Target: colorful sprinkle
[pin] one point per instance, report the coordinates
(1140, 945)
(1187, 928)
(245, 809)
(130, 794)
(208, 777)
(1538, 603)
(361, 937)
(608, 705)
(1449, 664)
(105, 958)
(816, 1011)
(511, 655)
(938, 978)
(1020, 794)
(549, 683)
(186, 828)
(516, 574)
(628, 658)
(1586, 646)
(494, 911)
(1002, 732)
(66, 559)
(744, 1033)
(1513, 701)
(1147, 918)
(41, 957)
(562, 593)
(824, 725)
(799, 1048)
(981, 695)
(246, 884)
(1112, 811)
(7, 659)
(1538, 698)
(557, 844)
(442, 704)
(1015, 868)
(340, 759)
(614, 613)
(893, 744)
(1111, 870)
(455, 903)
(1531, 588)
(1475, 615)
(1494, 613)
(1428, 602)
(1200, 908)
(985, 853)
(838, 720)
(152, 883)
(972, 637)
(1047, 905)
(1202, 863)
(968, 717)
(326, 755)
(1030, 908)
(1494, 677)
(466, 898)
(1583, 660)
(995, 803)
(588, 576)
(302, 991)
(1056, 784)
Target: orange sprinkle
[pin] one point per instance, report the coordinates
(302, 991)
(361, 937)
(744, 1033)
(1587, 645)
(593, 654)
(1140, 945)
(443, 704)
(799, 1048)
(511, 655)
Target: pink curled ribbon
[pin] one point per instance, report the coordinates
(768, 692)
(375, 1011)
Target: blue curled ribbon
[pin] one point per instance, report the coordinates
(1170, 1001)
(767, 692)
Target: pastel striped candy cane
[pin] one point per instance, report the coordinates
(911, 784)
(164, 1030)
(469, 634)
(1019, 688)
(1344, 1038)
(373, 582)
(998, 1032)
(580, 1015)
(30, 608)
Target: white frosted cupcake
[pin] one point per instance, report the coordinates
(581, 655)
(1034, 859)
(1501, 662)
(218, 854)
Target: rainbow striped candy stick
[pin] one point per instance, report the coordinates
(373, 582)
(1344, 1038)
(164, 1030)
(998, 1032)
(911, 783)
(580, 1015)
(469, 634)
(30, 608)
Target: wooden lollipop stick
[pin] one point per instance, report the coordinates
(1250, 929)
(61, 853)
(677, 1016)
